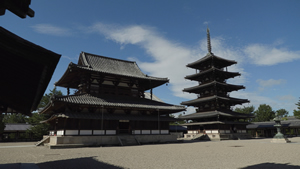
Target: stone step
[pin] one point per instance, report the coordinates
(128, 140)
(42, 141)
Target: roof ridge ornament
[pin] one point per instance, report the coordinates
(208, 41)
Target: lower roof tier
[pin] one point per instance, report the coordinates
(113, 102)
(209, 114)
(109, 116)
(215, 98)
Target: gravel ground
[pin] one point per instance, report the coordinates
(249, 154)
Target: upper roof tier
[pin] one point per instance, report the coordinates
(203, 87)
(216, 71)
(211, 59)
(100, 67)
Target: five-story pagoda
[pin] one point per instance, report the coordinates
(213, 104)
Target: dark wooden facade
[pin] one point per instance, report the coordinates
(110, 99)
(25, 71)
(213, 103)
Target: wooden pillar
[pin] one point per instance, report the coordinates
(65, 124)
(92, 123)
(79, 126)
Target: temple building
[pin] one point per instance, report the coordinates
(214, 115)
(109, 105)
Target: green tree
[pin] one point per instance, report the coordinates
(245, 110)
(46, 98)
(38, 129)
(14, 118)
(297, 112)
(178, 121)
(2, 125)
(264, 113)
(282, 113)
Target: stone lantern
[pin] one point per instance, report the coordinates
(279, 137)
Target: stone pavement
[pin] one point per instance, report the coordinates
(245, 154)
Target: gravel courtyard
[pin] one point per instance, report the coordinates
(248, 154)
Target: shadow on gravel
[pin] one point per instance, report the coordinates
(271, 166)
(77, 163)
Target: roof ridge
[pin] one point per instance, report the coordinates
(108, 57)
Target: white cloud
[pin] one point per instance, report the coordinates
(51, 30)
(287, 98)
(170, 58)
(206, 23)
(270, 54)
(69, 58)
(280, 102)
(270, 82)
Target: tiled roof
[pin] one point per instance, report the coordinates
(270, 124)
(210, 56)
(155, 98)
(213, 122)
(215, 97)
(107, 116)
(113, 66)
(109, 69)
(224, 74)
(23, 64)
(229, 87)
(215, 113)
(177, 128)
(16, 127)
(117, 101)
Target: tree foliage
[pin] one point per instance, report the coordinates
(178, 121)
(297, 112)
(282, 113)
(2, 124)
(14, 118)
(38, 129)
(46, 98)
(264, 113)
(298, 105)
(245, 110)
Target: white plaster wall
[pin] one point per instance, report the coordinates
(98, 132)
(110, 132)
(164, 132)
(155, 132)
(85, 132)
(60, 133)
(71, 132)
(145, 131)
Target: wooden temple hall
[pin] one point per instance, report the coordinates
(110, 100)
(214, 115)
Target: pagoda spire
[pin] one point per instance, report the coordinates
(208, 41)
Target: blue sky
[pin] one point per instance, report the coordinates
(164, 36)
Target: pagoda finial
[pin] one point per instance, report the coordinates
(208, 41)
